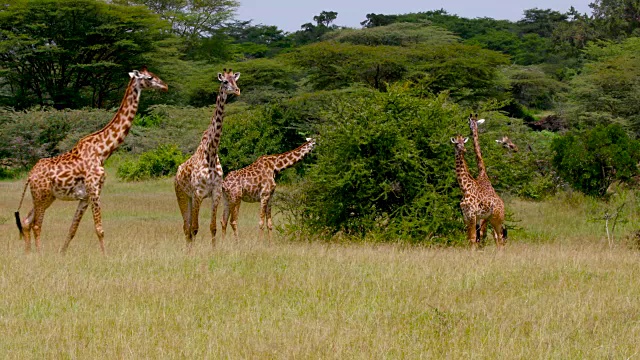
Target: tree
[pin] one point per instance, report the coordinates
(541, 22)
(71, 53)
(616, 18)
(591, 161)
(191, 20)
(310, 33)
(607, 90)
(325, 18)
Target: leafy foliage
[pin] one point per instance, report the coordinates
(195, 22)
(384, 166)
(608, 89)
(592, 160)
(71, 53)
(163, 161)
(25, 137)
(397, 34)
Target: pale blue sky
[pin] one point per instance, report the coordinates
(288, 15)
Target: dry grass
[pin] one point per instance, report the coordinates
(564, 296)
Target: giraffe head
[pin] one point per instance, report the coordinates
(311, 141)
(145, 79)
(228, 80)
(474, 121)
(508, 144)
(458, 142)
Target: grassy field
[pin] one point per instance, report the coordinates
(557, 291)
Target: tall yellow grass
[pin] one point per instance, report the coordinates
(557, 291)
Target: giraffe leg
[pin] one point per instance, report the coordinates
(82, 207)
(482, 233)
(215, 199)
(184, 202)
(225, 215)
(269, 222)
(38, 218)
(235, 210)
(471, 233)
(195, 212)
(96, 209)
(264, 204)
(94, 187)
(27, 224)
(497, 225)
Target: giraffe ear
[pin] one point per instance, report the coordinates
(499, 141)
(466, 139)
(480, 121)
(134, 73)
(453, 140)
(220, 78)
(236, 76)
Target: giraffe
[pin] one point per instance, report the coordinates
(256, 182)
(508, 144)
(477, 202)
(483, 178)
(201, 175)
(78, 175)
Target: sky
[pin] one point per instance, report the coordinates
(288, 15)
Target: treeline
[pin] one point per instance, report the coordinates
(383, 100)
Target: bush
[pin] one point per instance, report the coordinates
(385, 167)
(527, 173)
(27, 136)
(163, 161)
(592, 160)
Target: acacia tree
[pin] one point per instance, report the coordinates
(70, 53)
(191, 20)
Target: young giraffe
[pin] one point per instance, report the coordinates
(256, 182)
(201, 175)
(507, 144)
(477, 202)
(78, 175)
(483, 178)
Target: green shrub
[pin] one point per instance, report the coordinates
(592, 160)
(385, 168)
(27, 136)
(163, 161)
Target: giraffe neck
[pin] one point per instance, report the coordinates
(462, 173)
(290, 158)
(114, 133)
(482, 171)
(211, 140)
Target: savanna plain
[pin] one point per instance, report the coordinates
(559, 289)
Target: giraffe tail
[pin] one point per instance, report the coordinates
(17, 213)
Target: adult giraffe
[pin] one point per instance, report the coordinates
(78, 175)
(201, 175)
(482, 180)
(476, 202)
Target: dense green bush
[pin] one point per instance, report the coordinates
(526, 173)
(397, 34)
(607, 90)
(27, 136)
(592, 160)
(163, 161)
(384, 167)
